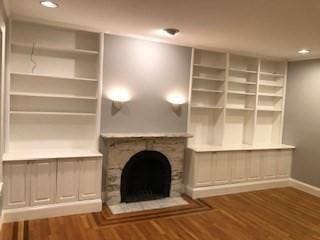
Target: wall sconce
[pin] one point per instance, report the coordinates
(119, 96)
(176, 101)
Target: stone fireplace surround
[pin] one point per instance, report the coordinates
(119, 148)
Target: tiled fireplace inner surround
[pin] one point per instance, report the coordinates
(119, 148)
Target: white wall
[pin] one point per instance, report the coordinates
(302, 119)
(149, 71)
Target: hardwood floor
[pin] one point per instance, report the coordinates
(282, 214)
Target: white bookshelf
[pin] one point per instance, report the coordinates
(235, 100)
(54, 90)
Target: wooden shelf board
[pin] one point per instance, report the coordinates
(26, 94)
(245, 147)
(271, 85)
(248, 83)
(49, 154)
(206, 106)
(209, 79)
(241, 93)
(269, 110)
(209, 66)
(55, 49)
(270, 95)
(236, 108)
(52, 113)
(242, 70)
(35, 75)
(206, 90)
(272, 74)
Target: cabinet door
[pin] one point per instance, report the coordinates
(90, 178)
(203, 168)
(16, 190)
(239, 166)
(269, 159)
(254, 165)
(284, 163)
(67, 180)
(43, 182)
(221, 165)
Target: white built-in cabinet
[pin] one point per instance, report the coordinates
(235, 100)
(67, 180)
(236, 117)
(16, 184)
(44, 182)
(53, 91)
(90, 179)
(51, 115)
(207, 169)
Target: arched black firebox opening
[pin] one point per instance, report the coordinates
(146, 176)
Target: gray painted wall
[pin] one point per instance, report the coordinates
(302, 119)
(150, 71)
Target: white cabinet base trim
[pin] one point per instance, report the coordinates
(305, 187)
(200, 192)
(52, 210)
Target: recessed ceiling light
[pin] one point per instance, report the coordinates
(170, 32)
(304, 51)
(49, 4)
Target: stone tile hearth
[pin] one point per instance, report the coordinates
(147, 205)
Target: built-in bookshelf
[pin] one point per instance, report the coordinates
(54, 89)
(236, 100)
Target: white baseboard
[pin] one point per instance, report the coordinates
(1, 221)
(305, 187)
(52, 210)
(1, 211)
(200, 192)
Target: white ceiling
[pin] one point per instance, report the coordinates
(277, 28)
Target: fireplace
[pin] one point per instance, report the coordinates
(141, 167)
(146, 176)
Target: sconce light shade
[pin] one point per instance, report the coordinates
(118, 96)
(176, 101)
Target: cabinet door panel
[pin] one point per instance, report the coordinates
(270, 163)
(254, 165)
(90, 178)
(284, 163)
(203, 169)
(43, 182)
(16, 191)
(67, 180)
(239, 167)
(221, 166)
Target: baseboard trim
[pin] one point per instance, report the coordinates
(52, 210)
(1, 221)
(305, 187)
(200, 192)
(1, 211)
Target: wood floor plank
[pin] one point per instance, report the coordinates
(276, 214)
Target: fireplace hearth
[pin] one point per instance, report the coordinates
(146, 176)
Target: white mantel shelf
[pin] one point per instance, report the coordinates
(205, 148)
(146, 135)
